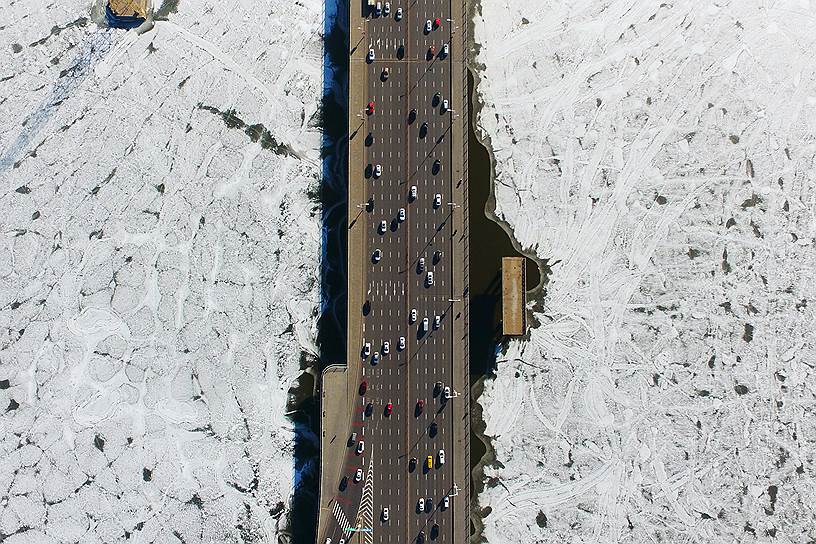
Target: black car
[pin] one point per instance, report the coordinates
(434, 429)
(423, 129)
(412, 464)
(421, 537)
(369, 408)
(412, 115)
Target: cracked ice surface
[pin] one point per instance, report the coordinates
(660, 156)
(159, 269)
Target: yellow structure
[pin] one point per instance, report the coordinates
(514, 298)
(129, 8)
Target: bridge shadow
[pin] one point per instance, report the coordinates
(331, 325)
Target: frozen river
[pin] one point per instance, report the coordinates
(659, 157)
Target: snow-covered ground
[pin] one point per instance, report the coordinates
(660, 156)
(159, 268)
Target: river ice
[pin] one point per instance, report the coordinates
(159, 268)
(660, 157)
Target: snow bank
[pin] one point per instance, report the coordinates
(660, 157)
(158, 275)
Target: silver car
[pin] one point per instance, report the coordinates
(437, 200)
(385, 514)
(413, 192)
(375, 358)
(401, 215)
(367, 349)
(413, 315)
(425, 324)
(377, 255)
(386, 348)
(437, 321)
(429, 278)
(445, 49)
(445, 105)
(377, 170)
(387, 9)
(401, 343)
(371, 54)
(383, 226)
(421, 264)
(428, 26)
(398, 14)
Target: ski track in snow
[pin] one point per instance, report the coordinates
(159, 269)
(660, 157)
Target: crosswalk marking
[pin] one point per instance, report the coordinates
(341, 518)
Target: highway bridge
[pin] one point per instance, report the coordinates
(395, 464)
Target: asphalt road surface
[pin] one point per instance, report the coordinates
(398, 283)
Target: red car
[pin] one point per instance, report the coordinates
(370, 108)
(437, 22)
(420, 406)
(363, 387)
(388, 409)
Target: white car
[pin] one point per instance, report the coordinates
(328, 541)
(413, 192)
(421, 265)
(424, 324)
(428, 26)
(437, 200)
(413, 315)
(387, 9)
(398, 14)
(377, 170)
(421, 504)
(446, 502)
(401, 343)
(371, 54)
(383, 226)
(446, 393)
(377, 255)
(445, 49)
(385, 514)
(401, 215)
(358, 476)
(386, 348)
(429, 278)
(445, 105)
(441, 457)
(378, 9)
(360, 447)
(367, 349)
(437, 321)
(375, 358)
